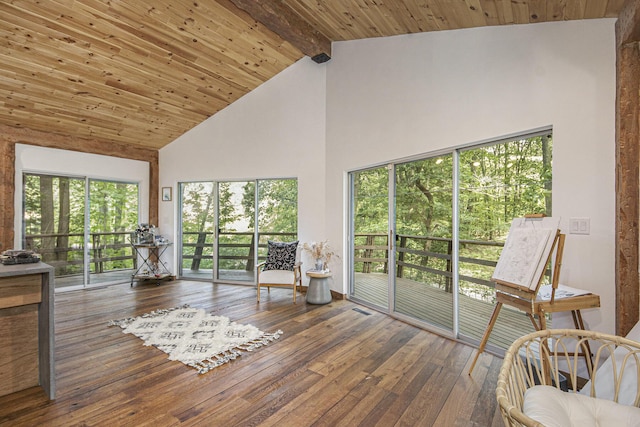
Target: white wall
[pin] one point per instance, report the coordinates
(395, 97)
(389, 98)
(276, 131)
(30, 158)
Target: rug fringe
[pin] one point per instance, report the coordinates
(204, 366)
(261, 341)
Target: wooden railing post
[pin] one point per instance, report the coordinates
(250, 261)
(95, 240)
(197, 255)
(368, 252)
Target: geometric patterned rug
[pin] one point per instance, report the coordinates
(195, 338)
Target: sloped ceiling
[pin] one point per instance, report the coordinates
(144, 72)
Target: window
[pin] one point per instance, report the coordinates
(427, 233)
(81, 227)
(220, 240)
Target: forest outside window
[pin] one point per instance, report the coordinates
(225, 226)
(449, 214)
(81, 227)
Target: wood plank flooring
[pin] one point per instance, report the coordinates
(333, 366)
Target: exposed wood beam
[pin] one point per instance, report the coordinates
(627, 167)
(628, 24)
(282, 20)
(7, 188)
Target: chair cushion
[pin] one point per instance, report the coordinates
(610, 372)
(281, 256)
(553, 407)
(277, 277)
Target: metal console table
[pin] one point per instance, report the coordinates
(151, 267)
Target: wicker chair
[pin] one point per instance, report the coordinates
(551, 357)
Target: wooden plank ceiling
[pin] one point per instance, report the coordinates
(144, 72)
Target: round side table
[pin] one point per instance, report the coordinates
(318, 291)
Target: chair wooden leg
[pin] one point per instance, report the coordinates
(487, 333)
(258, 283)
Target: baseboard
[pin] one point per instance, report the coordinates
(337, 295)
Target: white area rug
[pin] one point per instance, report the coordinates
(195, 338)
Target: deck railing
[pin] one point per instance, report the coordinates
(416, 255)
(112, 251)
(419, 257)
(65, 252)
(233, 247)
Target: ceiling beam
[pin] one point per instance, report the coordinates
(628, 25)
(285, 22)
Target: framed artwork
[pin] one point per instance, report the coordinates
(166, 194)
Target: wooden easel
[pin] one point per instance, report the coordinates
(525, 298)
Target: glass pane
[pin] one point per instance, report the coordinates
(497, 183)
(236, 237)
(54, 215)
(198, 226)
(370, 236)
(113, 213)
(424, 194)
(277, 212)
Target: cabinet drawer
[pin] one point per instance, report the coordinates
(20, 290)
(19, 365)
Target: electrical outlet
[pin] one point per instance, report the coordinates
(579, 225)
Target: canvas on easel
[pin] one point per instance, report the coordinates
(520, 271)
(526, 252)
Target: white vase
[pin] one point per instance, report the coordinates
(319, 264)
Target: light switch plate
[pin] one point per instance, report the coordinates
(579, 225)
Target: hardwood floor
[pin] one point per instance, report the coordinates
(333, 366)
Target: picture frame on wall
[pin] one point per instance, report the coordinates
(166, 194)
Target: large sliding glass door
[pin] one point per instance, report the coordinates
(370, 236)
(277, 212)
(498, 182)
(197, 229)
(54, 223)
(423, 283)
(449, 219)
(81, 227)
(113, 215)
(219, 238)
(401, 233)
(236, 237)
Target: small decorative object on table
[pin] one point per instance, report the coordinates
(17, 256)
(321, 253)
